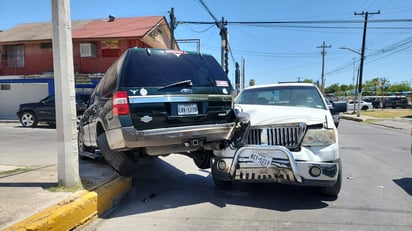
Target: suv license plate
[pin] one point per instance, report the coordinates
(261, 159)
(187, 109)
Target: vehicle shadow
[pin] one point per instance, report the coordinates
(158, 185)
(405, 184)
(39, 126)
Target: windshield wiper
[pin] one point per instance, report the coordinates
(187, 83)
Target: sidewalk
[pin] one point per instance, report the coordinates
(396, 123)
(27, 203)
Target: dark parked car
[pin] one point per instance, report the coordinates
(394, 102)
(30, 114)
(335, 109)
(154, 102)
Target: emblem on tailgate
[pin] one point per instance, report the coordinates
(146, 119)
(186, 91)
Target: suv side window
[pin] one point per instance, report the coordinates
(110, 81)
(49, 100)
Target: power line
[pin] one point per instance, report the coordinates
(305, 22)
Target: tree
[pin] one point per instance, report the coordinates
(334, 88)
(251, 82)
(399, 87)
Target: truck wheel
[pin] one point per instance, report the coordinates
(219, 181)
(28, 119)
(335, 189)
(202, 158)
(119, 161)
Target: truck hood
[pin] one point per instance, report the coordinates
(268, 114)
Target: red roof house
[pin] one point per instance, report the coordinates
(27, 48)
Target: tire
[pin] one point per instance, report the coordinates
(28, 119)
(119, 161)
(202, 158)
(335, 189)
(365, 108)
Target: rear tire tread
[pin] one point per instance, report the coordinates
(119, 161)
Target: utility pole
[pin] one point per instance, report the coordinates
(323, 65)
(366, 15)
(67, 152)
(243, 73)
(224, 47)
(172, 28)
(224, 39)
(237, 78)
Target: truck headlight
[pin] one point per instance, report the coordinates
(319, 137)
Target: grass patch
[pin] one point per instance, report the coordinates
(75, 188)
(85, 184)
(387, 114)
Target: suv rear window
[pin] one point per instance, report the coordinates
(164, 68)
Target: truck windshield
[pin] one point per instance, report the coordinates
(301, 96)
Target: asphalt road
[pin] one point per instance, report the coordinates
(28, 147)
(172, 194)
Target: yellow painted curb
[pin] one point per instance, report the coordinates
(77, 209)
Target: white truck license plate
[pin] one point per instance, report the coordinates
(261, 159)
(187, 109)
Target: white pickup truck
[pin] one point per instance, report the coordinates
(285, 134)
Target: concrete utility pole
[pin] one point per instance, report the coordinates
(67, 152)
(323, 65)
(366, 14)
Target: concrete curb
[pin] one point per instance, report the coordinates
(353, 118)
(77, 209)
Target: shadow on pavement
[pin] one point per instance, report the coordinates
(158, 186)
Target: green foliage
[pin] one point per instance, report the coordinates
(377, 86)
(252, 82)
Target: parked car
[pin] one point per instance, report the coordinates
(30, 114)
(363, 105)
(395, 102)
(286, 134)
(154, 102)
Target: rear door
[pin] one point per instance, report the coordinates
(46, 110)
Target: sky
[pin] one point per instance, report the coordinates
(271, 52)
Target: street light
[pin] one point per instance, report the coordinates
(359, 78)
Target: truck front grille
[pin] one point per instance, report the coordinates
(289, 136)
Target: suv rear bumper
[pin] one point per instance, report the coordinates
(129, 137)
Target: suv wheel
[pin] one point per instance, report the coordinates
(119, 161)
(28, 119)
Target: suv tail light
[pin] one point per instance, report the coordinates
(120, 103)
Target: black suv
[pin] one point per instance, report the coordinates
(395, 102)
(154, 102)
(30, 114)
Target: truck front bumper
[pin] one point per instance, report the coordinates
(260, 163)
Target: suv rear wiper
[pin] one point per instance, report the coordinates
(187, 83)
